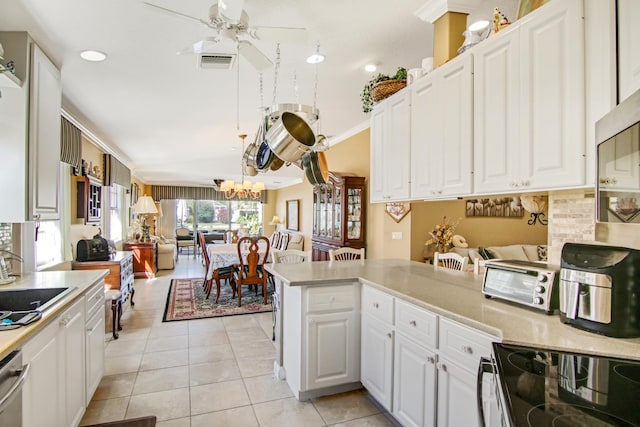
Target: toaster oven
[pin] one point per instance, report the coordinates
(528, 283)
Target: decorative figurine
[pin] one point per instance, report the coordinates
(500, 21)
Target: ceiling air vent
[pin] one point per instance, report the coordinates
(220, 61)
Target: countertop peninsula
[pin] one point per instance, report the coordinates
(79, 280)
(458, 296)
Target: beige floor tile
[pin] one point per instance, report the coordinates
(166, 344)
(214, 353)
(218, 396)
(213, 372)
(379, 420)
(102, 411)
(169, 329)
(203, 326)
(140, 322)
(258, 348)
(236, 417)
(164, 359)
(265, 388)
(210, 338)
(345, 406)
(121, 365)
(161, 379)
(239, 322)
(247, 334)
(112, 386)
(119, 348)
(287, 413)
(132, 334)
(177, 422)
(165, 405)
(252, 367)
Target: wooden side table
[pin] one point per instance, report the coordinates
(144, 258)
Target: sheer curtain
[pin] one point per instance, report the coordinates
(167, 222)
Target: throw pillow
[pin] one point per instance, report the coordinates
(542, 252)
(486, 253)
(513, 252)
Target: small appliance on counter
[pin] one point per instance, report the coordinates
(600, 289)
(532, 284)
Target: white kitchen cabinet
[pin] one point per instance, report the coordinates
(456, 395)
(30, 140)
(442, 131)
(321, 338)
(376, 359)
(628, 58)
(390, 148)
(54, 393)
(529, 110)
(619, 161)
(414, 400)
(94, 338)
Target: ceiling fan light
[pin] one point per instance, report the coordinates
(93, 55)
(316, 58)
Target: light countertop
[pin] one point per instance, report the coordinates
(458, 296)
(80, 280)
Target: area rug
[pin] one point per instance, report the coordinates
(187, 300)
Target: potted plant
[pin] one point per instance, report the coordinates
(382, 86)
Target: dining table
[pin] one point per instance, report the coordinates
(223, 255)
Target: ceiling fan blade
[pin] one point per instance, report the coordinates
(252, 54)
(279, 34)
(231, 9)
(180, 14)
(205, 45)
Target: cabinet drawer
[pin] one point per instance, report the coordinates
(94, 300)
(377, 303)
(463, 344)
(417, 323)
(330, 298)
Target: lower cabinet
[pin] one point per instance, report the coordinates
(456, 395)
(321, 345)
(376, 361)
(54, 393)
(94, 338)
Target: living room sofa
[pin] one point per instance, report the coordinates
(477, 256)
(283, 240)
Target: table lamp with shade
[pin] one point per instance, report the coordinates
(275, 221)
(145, 206)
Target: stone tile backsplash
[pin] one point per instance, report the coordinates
(571, 219)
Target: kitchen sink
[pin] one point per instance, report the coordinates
(31, 299)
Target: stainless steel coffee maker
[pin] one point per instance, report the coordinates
(600, 289)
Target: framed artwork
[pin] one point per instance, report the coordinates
(509, 207)
(397, 211)
(293, 210)
(526, 6)
(135, 190)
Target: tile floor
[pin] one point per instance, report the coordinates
(208, 372)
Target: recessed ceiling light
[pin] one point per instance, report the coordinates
(93, 55)
(370, 68)
(316, 58)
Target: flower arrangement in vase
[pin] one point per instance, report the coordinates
(442, 235)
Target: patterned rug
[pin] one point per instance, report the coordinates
(186, 300)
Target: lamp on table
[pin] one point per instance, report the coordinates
(145, 206)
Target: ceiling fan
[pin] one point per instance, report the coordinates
(229, 20)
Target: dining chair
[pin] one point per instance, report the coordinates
(449, 260)
(182, 239)
(346, 254)
(290, 256)
(250, 271)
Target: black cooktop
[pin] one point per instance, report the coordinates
(552, 388)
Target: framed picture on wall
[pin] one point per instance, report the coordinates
(293, 209)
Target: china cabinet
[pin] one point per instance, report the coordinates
(338, 215)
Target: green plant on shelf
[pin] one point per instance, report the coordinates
(365, 95)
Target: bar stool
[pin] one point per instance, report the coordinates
(115, 296)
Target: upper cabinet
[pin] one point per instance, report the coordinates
(529, 113)
(628, 58)
(441, 131)
(30, 141)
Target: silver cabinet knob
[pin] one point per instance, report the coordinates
(413, 323)
(467, 349)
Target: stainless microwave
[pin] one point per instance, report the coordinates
(527, 283)
(618, 174)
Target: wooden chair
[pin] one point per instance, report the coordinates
(222, 273)
(182, 240)
(450, 260)
(346, 254)
(250, 271)
(290, 256)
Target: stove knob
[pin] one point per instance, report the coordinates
(537, 300)
(540, 289)
(542, 278)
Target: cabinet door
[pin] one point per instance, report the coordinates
(376, 359)
(72, 354)
(496, 115)
(426, 137)
(378, 129)
(456, 396)
(44, 136)
(619, 161)
(454, 169)
(95, 353)
(628, 58)
(43, 392)
(396, 148)
(552, 112)
(331, 359)
(414, 396)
